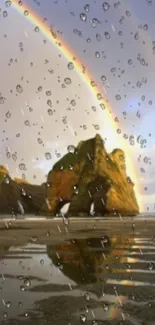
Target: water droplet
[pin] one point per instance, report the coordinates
(6, 179)
(86, 8)
(8, 304)
(145, 27)
(41, 261)
(8, 114)
(1, 100)
(73, 102)
(76, 191)
(26, 13)
(48, 93)
(19, 89)
(87, 296)
(103, 78)
(70, 65)
(128, 13)
(118, 97)
(136, 36)
(36, 29)
(5, 14)
(22, 166)
(49, 102)
(8, 3)
(107, 35)
(40, 88)
(129, 61)
(71, 149)
(83, 17)
(150, 266)
(105, 6)
(67, 81)
(98, 37)
(83, 318)
(5, 314)
(49, 111)
(105, 307)
(146, 159)
(27, 282)
(48, 155)
(97, 55)
(22, 288)
(94, 22)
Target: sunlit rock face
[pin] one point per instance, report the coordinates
(88, 174)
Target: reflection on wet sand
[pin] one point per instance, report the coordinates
(97, 279)
(89, 260)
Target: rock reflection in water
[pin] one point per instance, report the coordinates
(88, 260)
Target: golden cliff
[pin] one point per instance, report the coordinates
(89, 175)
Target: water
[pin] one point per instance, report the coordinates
(84, 272)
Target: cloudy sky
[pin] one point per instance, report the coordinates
(41, 113)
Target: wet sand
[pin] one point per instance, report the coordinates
(67, 273)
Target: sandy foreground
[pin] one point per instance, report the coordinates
(58, 229)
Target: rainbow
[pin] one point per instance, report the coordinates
(68, 53)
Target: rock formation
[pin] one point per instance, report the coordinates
(85, 177)
(20, 197)
(89, 175)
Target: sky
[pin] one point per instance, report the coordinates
(42, 114)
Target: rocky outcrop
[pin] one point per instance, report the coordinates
(20, 197)
(90, 176)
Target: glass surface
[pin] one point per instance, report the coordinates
(77, 160)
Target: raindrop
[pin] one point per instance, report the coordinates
(97, 55)
(41, 261)
(67, 81)
(105, 6)
(19, 89)
(136, 36)
(5, 314)
(36, 29)
(8, 3)
(22, 288)
(86, 8)
(50, 112)
(40, 88)
(5, 14)
(70, 65)
(94, 22)
(73, 102)
(1, 100)
(145, 27)
(48, 93)
(22, 166)
(75, 189)
(87, 296)
(49, 102)
(118, 97)
(26, 13)
(103, 78)
(39, 140)
(27, 282)
(146, 160)
(98, 37)
(83, 17)
(8, 114)
(107, 35)
(83, 318)
(129, 61)
(48, 155)
(8, 304)
(128, 14)
(71, 149)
